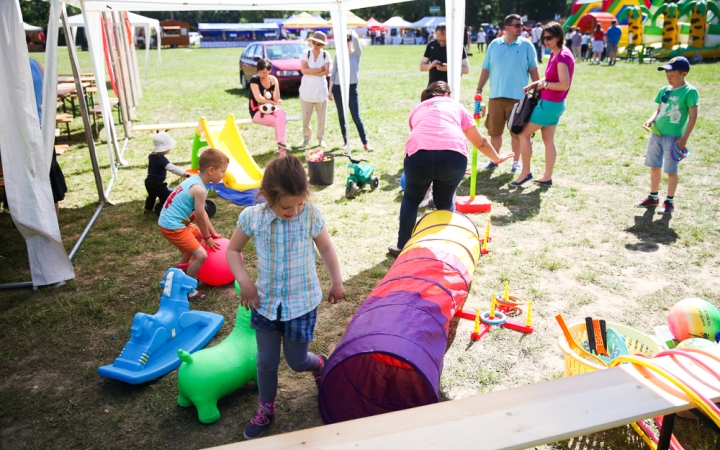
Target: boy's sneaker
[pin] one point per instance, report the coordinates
(258, 424)
(667, 207)
(317, 374)
(516, 167)
(648, 202)
(489, 166)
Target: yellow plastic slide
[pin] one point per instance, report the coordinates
(243, 172)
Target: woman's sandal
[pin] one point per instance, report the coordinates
(198, 296)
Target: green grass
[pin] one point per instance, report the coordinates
(579, 248)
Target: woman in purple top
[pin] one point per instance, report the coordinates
(546, 115)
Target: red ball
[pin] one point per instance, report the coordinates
(215, 271)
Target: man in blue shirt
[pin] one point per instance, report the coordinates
(612, 38)
(508, 61)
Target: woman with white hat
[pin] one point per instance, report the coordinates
(315, 67)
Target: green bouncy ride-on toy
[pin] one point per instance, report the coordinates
(359, 176)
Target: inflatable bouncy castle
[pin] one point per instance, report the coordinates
(391, 356)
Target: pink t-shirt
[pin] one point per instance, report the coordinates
(438, 124)
(551, 74)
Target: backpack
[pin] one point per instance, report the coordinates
(521, 112)
(323, 52)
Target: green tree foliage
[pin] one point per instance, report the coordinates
(37, 12)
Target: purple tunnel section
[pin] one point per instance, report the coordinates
(359, 382)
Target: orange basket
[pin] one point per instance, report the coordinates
(637, 343)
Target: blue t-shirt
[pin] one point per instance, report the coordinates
(175, 214)
(508, 65)
(37, 78)
(613, 34)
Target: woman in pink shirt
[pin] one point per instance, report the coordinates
(546, 115)
(436, 153)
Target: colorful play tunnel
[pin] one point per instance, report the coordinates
(391, 356)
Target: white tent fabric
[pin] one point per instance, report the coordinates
(397, 22)
(31, 28)
(428, 22)
(25, 154)
(137, 21)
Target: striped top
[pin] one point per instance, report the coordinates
(286, 260)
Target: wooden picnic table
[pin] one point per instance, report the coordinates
(69, 79)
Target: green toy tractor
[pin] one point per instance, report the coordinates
(359, 176)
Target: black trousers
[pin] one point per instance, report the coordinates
(156, 190)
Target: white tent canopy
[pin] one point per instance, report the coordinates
(396, 22)
(25, 149)
(429, 22)
(31, 28)
(137, 21)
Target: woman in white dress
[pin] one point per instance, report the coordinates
(315, 67)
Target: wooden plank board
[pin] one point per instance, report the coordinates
(513, 419)
(182, 125)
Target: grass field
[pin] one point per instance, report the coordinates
(579, 248)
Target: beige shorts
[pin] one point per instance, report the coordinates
(498, 111)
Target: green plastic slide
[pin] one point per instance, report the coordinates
(210, 374)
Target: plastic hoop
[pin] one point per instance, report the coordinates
(500, 318)
(511, 301)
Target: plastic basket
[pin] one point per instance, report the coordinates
(637, 343)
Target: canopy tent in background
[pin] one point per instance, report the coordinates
(396, 22)
(429, 23)
(354, 21)
(137, 21)
(26, 149)
(305, 20)
(234, 34)
(374, 24)
(24, 153)
(31, 28)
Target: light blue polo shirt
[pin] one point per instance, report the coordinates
(175, 213)
(508, 66)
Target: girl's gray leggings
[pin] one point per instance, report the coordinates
(268, 361)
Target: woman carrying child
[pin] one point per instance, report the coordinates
(286, 295)
(436, 153)
(265, 88)
(546, 115)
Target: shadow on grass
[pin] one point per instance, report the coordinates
(651, 232)
(521, 206)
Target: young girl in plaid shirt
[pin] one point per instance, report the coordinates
(286, 295)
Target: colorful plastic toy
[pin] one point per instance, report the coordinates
(155, 339)
(678, 154)
(500, 308)
(359, 176)
(215, 270)
(473, 203)
(694, 317)
(210, 374)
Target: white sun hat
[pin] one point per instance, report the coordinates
(162, 142)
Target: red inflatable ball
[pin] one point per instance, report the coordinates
(215, 271)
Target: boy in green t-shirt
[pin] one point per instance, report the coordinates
(671, 124)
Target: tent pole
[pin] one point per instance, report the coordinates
(130, 29)
(147, 50)
(121, 42)
(120, 78)
(84, 111)
(85, 232)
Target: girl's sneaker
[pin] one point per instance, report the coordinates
(317, 374)
(258, 424)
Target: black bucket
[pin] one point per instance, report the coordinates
(322, 173)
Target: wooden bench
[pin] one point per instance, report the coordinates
(66, 119)
(517, 418)
(158, 127)
(62, 148)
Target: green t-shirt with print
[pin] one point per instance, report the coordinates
(674, 111)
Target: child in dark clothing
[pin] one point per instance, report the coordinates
(158, 165)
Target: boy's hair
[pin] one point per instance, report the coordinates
(436, 89)
(212, 158)
(509, 19)
(440, 28)
(284, 176)
(555, 29)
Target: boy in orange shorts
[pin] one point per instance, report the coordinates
(175, 216)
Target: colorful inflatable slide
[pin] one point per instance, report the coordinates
(391, 356)
(243, 172)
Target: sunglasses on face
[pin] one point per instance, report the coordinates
(547, 38)
(666, 95)
(317, 44)
(516, 25)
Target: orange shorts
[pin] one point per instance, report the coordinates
(187, 239)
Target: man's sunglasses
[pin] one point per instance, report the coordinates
(516, 25)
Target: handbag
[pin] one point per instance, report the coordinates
(521, 112)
